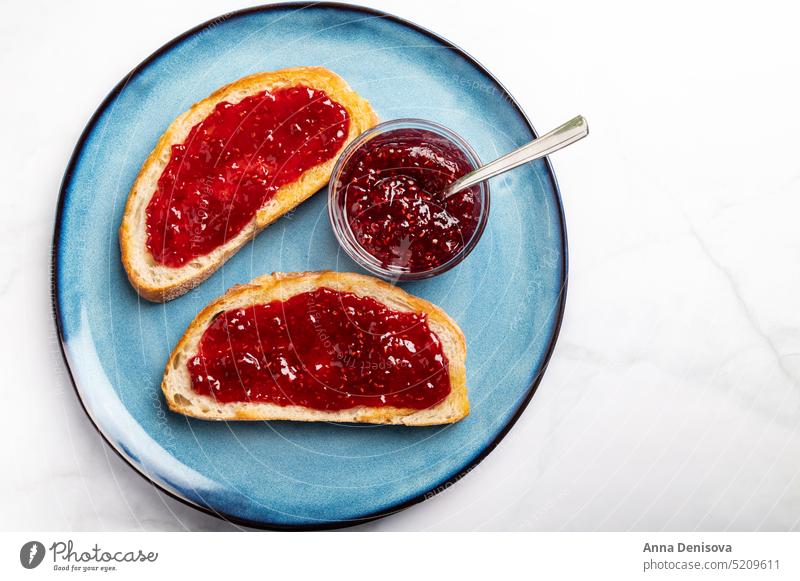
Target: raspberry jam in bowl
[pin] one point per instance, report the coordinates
(386, 204)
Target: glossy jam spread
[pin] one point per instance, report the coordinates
(323, 349)
(232, 162)
(392, 199)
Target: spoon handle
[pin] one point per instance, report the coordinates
(566, 134)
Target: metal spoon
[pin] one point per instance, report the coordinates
(560, 137)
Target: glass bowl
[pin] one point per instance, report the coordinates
(337, 207)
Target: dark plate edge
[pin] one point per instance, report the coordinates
(54, 268)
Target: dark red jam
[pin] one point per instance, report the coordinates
(231, 164)
(392, 198)
(325, 350)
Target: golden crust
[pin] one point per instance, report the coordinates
(157, 282)
(281, 286)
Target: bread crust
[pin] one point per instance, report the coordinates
(180, 397)
(158, 282)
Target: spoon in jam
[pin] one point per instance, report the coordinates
(573, 130)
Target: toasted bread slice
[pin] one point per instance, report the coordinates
(158, 282)
(183, 399)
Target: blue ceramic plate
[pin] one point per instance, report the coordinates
(508, 295)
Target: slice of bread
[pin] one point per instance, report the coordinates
(158, 282)
(183, 399)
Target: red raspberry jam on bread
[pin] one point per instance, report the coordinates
(233, 162)
(323, 349)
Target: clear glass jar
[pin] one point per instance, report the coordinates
(341, 225)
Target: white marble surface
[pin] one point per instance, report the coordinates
(673, 398)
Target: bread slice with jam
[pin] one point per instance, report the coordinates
(312, 347)
(228, 167)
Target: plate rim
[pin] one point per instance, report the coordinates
(55, 269)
